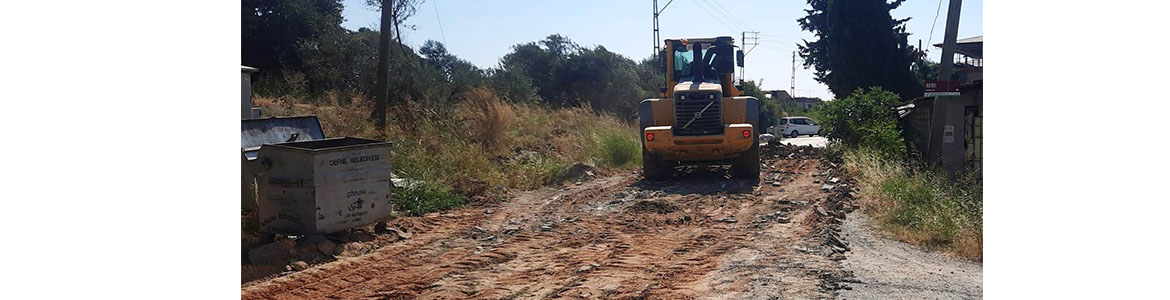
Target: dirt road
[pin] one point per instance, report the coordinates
(700, 236)
(888, 269)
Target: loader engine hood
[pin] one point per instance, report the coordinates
(702, 86)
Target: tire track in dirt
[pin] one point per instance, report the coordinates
(700, 236)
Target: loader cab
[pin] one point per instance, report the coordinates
(710, 60)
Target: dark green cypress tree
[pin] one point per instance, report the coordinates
(859, 45)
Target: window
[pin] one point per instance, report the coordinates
(683, 59)
(682, 63)
(783, 121)
(810, 122)
(798, 121)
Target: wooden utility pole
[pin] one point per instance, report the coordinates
(382, 88)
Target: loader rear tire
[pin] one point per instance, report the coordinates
(747, 165)
(654, 167)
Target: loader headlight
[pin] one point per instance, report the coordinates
(711, 96)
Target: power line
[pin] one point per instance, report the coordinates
(731, 16)
(928, 38)
(718, 16)
(718, 19)
(443, 34)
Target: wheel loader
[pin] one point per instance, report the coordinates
(700, 117)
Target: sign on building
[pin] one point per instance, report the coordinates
(944, 88)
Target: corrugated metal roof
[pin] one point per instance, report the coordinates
(970, 40)
(972, 46)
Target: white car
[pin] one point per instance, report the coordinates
(795, 126)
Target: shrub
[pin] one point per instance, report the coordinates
(621, 148)
(918, 204)
(423, 198)
(864, 120)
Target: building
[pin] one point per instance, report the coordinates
(949, 130)
(785, 100)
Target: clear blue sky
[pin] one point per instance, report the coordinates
(483, 31)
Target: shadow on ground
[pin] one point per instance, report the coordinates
(699, 180)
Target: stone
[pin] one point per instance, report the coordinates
(299, 265)
(402, 234)
(351, 250)
(834, 180)
(326, 247)
(775, 183)
(585, 268)
(275, 253)
(610, 288)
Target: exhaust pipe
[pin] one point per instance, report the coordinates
(698, 65)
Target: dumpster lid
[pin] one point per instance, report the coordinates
(276, 130)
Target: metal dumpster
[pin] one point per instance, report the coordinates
(274, 130)
(323, 186)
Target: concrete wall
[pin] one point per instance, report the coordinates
(949, 127)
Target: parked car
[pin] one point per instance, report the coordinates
(795, 126)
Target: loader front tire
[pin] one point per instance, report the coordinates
(747, 165)
(653, 167)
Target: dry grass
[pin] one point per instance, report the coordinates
(483, 147)
(920, 206)
(489, 117)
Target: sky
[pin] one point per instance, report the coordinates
(483, 31)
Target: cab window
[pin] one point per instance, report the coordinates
(683, 59)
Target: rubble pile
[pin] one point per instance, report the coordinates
(777, 149)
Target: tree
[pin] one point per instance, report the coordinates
(769, 108)
(274, 33)
(566, 74)
(453, 76)
(863, 119)
(859, 45)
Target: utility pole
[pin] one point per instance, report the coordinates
(753, 41)
(792, 88)
(947, 61)
(657, 40)
(382, 89)
(945, 136)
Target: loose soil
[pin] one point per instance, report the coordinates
(698, 236)
(890, 269)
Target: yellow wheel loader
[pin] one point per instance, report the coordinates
(700, 116)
